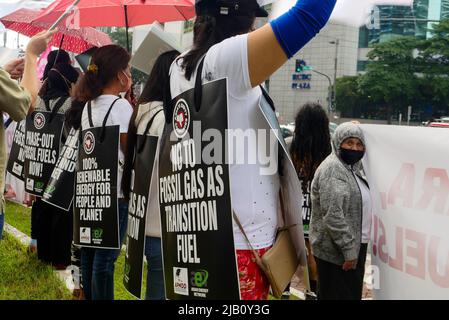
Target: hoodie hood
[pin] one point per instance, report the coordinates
(344, 131)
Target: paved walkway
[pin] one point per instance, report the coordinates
(297, 287)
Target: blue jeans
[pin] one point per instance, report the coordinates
(155, 274)
(98, 265)
(2, 223)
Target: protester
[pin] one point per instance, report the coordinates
(150, 107)
(341, 217)
(247, 60)
(52, 226)
(73, 121)
(15, 100)
(108, 75)
(53, 58)
(309, 146)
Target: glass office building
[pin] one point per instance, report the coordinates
(388, 22)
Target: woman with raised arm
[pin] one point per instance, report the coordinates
(223, 36)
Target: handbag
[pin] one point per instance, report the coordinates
(280, 262)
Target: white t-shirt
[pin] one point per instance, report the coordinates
(254, 196)
(367, 216)
(120, 115)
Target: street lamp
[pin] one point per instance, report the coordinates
(329, 90)
(336, 42)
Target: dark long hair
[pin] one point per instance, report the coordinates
(59, 81)
(209, 30)
(154, 91)
(74, 114)
(158, 80)
(55, 57)
(311, 142)
(108, 61)
(59, 76)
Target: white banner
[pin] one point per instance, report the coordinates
(408, 173)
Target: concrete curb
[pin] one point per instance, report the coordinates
(22, 237)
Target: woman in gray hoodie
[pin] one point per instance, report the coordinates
(341, 217)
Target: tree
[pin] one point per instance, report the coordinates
(435, 51)
(349, 99)
(390, 79)
(434, 65)
(401, 72)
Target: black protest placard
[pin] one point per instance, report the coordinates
(96, 206)
(195, 200)
(16, 162)
(59, 190)
(140, 187)
(42, 143)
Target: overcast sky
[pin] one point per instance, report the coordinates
(352, 12)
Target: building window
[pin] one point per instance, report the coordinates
(363, 37)
(361, 65)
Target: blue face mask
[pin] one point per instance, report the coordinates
(351, 157)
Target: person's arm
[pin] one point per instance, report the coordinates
(15, 68)
(16, 99)
(124, 142)
(270, 46)
(121, 115)
(37, 45)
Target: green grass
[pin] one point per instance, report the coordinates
(24, 277)
(120, 292)
(19, 217)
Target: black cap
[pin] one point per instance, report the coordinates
(229, 8)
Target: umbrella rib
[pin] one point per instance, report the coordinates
(185, 18)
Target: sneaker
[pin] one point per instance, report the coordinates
(60, 267)
(32, 248)
(78, 294)
(310, 296)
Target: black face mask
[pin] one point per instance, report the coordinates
(351, 157)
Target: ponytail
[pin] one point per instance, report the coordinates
(208, 31)
(105, 65)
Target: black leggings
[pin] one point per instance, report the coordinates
(52, 228)
(336, 284)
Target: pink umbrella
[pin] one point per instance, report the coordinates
(74, 40)
(118, 13)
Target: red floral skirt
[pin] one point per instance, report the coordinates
(254, 284)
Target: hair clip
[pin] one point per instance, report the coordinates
(92, 68)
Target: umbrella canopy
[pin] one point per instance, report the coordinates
(120, 13)
(75, 40)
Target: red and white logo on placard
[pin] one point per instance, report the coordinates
(89, 142)
(181, 118)
(39, 121)
(181, 281)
